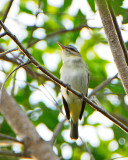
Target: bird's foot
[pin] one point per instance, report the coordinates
(68, 86)
(82, 96)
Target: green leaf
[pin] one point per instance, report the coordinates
(92, 4)
(24, 9)
(116, 4)
(117, 89)
(49, 117)
(6, 129)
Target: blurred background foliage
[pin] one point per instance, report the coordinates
(39, 24)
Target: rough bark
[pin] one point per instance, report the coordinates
(113, 41)
(20, 123)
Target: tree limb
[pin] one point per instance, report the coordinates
(6, 52)
(2, 34)
(20, 123)
(61, 31)
(13, 154)
(31, 72)
(109, 2)
(121, 118)
(56, 131)
(114, 42)
(102, 85)
(55, 79)
(10, 75)
(10, 138)
(7, 11)
(85, 146)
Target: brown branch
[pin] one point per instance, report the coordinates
(31, 36)
(102, 85)
(20, 123)
(114, 42)
(62, 31)
(109, 2)
(51, 76)
(110, 93)
(117, 158)
(35, 75)
(7, 11)
(10, 75)
(31, 72)
(13, 85)
(53, 99)
(2, 34)
(85, 146)
(121, 118)
(13, 154)
(39, 3)
(10, 138)
(11, 50)
(97, 102)
(33, 29)
(56, 131)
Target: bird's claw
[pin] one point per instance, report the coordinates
(68, 86)
(82, 95)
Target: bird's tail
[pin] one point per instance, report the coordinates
(74, 130)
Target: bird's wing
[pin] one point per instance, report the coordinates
(82, 109)
(66, 108)
(83, 103)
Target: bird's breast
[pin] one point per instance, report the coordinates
(77, 77)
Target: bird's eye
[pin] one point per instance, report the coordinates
(72, 49)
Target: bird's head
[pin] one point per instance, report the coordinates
(69, 50)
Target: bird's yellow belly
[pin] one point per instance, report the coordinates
(75, 109)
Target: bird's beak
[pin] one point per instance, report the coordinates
(61, 46)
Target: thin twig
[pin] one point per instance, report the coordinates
(33, 29)
(11, 50)
(110, 93)
(54, 101)
(119, 117)
(13, 154)
(116, 158)
(85, 146)
(56, 131)
(35, 75)
(10, 138)
(39, 3)
(13, 87)
(7, 11)
(62, 31)
(3, 34)
(28, 69)
(56, 104)
(102, 85)
(97, 102)
(56, 80)
(10, 75)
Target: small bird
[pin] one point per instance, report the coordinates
(75, 73)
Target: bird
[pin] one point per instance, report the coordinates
(74, 72)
